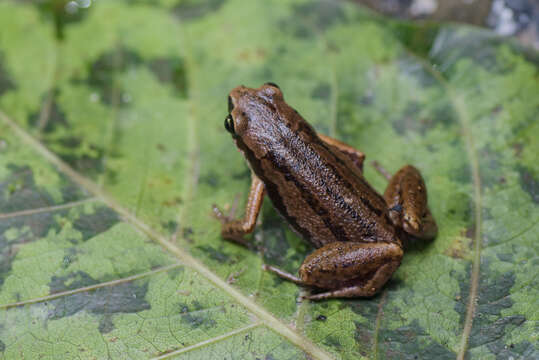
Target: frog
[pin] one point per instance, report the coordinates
(316, 183)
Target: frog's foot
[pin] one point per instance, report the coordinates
(231, 229)
(283, 274)
(230, 215)
(406, 198)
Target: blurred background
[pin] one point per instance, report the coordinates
(518, 18)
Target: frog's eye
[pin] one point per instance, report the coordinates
(229, 124)
(273, 84)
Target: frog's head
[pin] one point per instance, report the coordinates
(249, 108)
(260, 119)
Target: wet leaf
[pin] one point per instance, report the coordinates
(112, 150)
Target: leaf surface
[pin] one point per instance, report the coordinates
(112, 150)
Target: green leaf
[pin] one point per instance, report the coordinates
(112, 150)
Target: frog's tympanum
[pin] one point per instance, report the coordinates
(316, 183)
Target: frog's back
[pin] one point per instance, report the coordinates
(317, 189)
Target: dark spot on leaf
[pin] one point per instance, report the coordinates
(505, 257)
(211, 178)
(444, 114)
(197, 305)
(315, 16)
(52, 119)
(31, 227)
(214, 254)
(72, 281)
(6, 84)
(188, 234)
(70, 256)
(122, 298)
(489, 324)
(91, 164)
(322, 91)
(106, 324)
(522, 350)
(366, 99)
(93, 224)
(70, 142)
(104, 71)
(529, 183)
(171, 70)
(63, 13)
(191, 9)
(170, 226)
(411, 342)
(196, 318)
(18, 191)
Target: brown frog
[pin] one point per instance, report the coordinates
(316, 183)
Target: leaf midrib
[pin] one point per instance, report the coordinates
(267, 318)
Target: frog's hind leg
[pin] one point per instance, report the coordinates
(406, 198)
(367, 289)
(349, 269)
(283, 274)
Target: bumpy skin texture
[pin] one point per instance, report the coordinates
(316, 184)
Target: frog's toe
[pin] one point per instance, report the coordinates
(218, 214)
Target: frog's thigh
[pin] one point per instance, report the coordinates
(368, 289)
(406, 197)
(355, 155)
(236, 229)
(352, 269)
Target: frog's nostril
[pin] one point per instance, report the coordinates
(230, 104)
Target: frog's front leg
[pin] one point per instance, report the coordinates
(236, 229)
(406, 197)
(347, 269)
